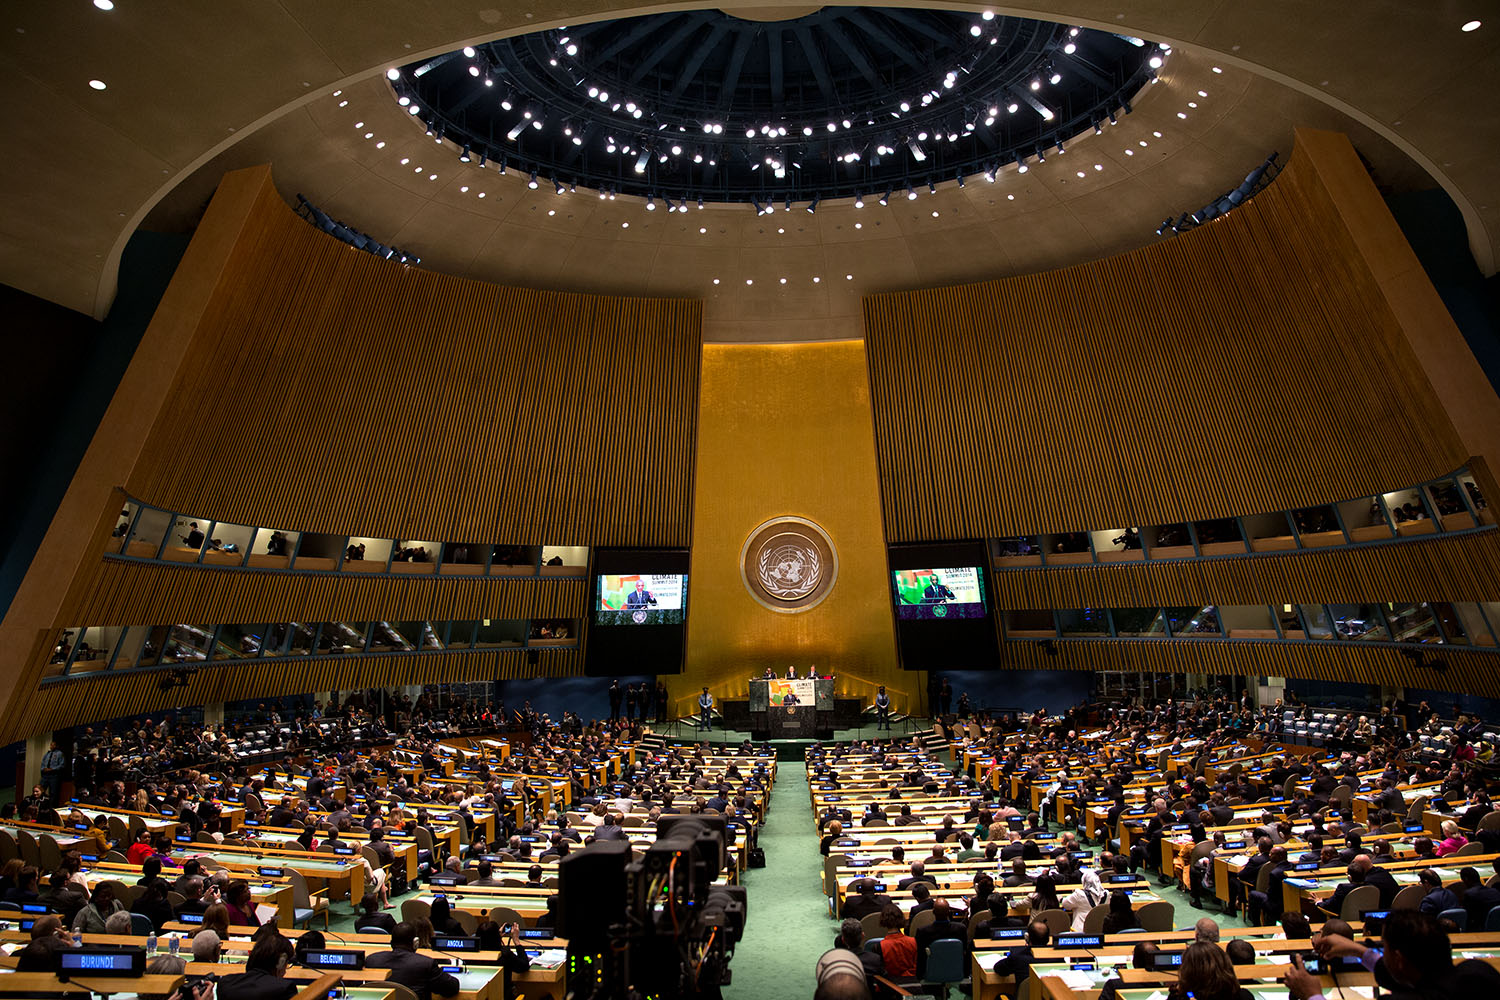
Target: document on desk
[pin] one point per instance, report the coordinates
(1350, 993)
(1076, 979)
(548, 958)
(1238, 859)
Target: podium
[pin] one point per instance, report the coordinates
(813, 711)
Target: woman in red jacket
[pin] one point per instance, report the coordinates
(140, 848)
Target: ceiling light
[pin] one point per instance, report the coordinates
(885, 199)
(1218, 70)
(701, 230)
(859, 201)
(640, 161)
(1012, 107)
(110, 5)
(557, 184)
(783, 281)
(1055, 79)
(911, 193)
(749, 281)
(1468, 25)
(469, 51)
(975, 30)
(532, 182)
(848, 277)
(650, 203)
(1154, 62)
(812, 206)
(393, 74)
(716, 281)
(97, 84)
(464, 156)
(1070, 48)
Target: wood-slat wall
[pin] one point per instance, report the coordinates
(1466, 671)
(1453, 568)
(1250, 365)
(330, 391)
(146, 595)
(96, 699)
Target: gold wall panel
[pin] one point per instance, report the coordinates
(785, 430)
(1250, 365)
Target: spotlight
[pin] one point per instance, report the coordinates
(508, 101)
(516, 130)
(640, 161)
(1056, 78)
(651, 203)
(911, 193)
(464, 156)
(961, 179)
(393, 74)
(1154, 62)
(989, 174)
(502, 166)
(557, 184)
(812, 206)
(788, 205)
(755, 204)
(931, 187)
(1098, 128)
(885, 199)
(859, 201)
(917, 152)
(532, 182)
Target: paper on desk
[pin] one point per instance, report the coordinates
(1350, 993)
(1076, 979)
(1238, 859)
(266, 913)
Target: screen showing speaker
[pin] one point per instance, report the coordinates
(641, 599)
(640, 606)
(956, 592)
(943, 617)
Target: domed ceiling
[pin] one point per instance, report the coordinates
(839, 102)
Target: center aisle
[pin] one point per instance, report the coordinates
(787, 927)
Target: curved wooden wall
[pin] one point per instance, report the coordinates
(291, 382)
(1251, 365)
(1452, 568)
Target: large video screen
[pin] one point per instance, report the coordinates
(641, 599)
(957, 592)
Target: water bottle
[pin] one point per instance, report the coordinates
(78, 939)
(174, 943)
(151, 943)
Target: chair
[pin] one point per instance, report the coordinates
(118, 831)
(1492, 919)
(467, 920)
(305, 906)
(503, 915)
(1458, 915)
(1414, 814)
(115, 857)
(976, 919)
(1057, 921)
(140, 925)
(1409, 898)
(30, 853)
(395, 991)
(918, 921)
(873, 824)
(1490, 820)
(1093, 923)
(415, 909)
(1360, 899)
(1157, 916)
(1472, 847)
(8, 848)
(945, 963)
(52, 858)
(1392, 828)
(871, 923)
(512, 883)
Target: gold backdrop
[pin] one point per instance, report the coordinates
(785, 429)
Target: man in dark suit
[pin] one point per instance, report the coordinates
(1380, 879)
(1018, 962)
(262, 978)
(1238, 888)
(1265, 907)
(936, 592)
(918, 874)
(863, 901)
(1478, 899)
(999, 917)
(423, 976)
(640, 597)
(1335, 902)
(943, 926)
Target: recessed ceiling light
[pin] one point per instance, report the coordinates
(405, 160)
(464, 189)
(1080, 173)
(1157, 134)
(624, 225)
(934, 215)
(369, 135)
(110, 5)
(432, 177)
(716, 281)
(701, 230)
(380, 144)
(783, 281)
(1129, 152)
(1218, 70)
(749, 281)
(1202, 93)
(859, 225)
(551, 211)
(848, 277)
(1010, 197)
(393, 74)
(97, 84)
(1468, 25)
(816, 279)
(359, 124)
(344, 103)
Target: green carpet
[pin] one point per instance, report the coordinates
(787, 926)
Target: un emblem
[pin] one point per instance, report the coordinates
(940, 611)
(788, 564)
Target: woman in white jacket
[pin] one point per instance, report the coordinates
(1084, 898)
